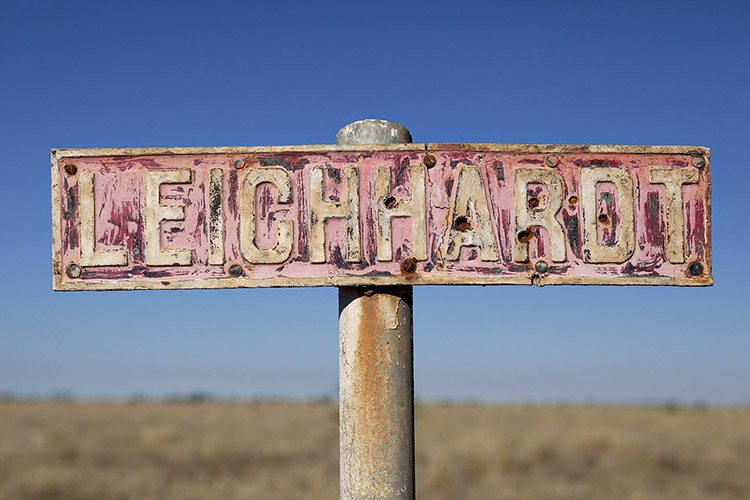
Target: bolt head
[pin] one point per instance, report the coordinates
(541, 266)
(429, 160)
(552, 160)
(239, 163)
(698, 161)
(409, 265)
(235, 270)
(71, 169)
(695, 268)
(74, 271)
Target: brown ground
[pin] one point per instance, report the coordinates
(181, 451)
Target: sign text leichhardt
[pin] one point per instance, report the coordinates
(380, 215)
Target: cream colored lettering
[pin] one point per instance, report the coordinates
(388, 207)
(673, 179)
(89, 255)
(623, 249)
(248, 223)
(322, 210)
(469, 217)
(155, 213)
(528, 217)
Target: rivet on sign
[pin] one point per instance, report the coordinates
(71, 169)
(541, 266)
(74, 271)
(533, 202)
(235, 270)
(429, 160)
(573, 200)
(695, 268)
(552, 160)
(603, 218)
(409, 265)
(390, 202)
(239, 163)
(698, 161)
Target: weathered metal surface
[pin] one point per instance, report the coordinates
(376, 393)
(376, 353)
(350, 215)
(373, 132)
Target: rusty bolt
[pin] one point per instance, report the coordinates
(239, 163)
(390, 202)
(74, 271)
(525, 236)
(698, 161)
(71, 169)
(573, 200)
(409, 265)
(552, 160)
(541, 267)
(603, 218)
(235, 270)
(695, 268)
(533, 202)
(429, 160)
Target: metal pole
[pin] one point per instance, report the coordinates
(376, 372)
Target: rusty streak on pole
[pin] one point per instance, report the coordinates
(376, 372)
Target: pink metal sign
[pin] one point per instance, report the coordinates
(379, 215)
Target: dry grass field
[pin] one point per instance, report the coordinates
(276, 450)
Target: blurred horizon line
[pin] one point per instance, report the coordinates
(199, 397)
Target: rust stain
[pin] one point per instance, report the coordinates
(370, 371)
(525, 236)
(462, 223)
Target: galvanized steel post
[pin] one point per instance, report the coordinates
(376, 372)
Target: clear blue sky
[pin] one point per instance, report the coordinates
(127, 74)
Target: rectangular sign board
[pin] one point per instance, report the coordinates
(380, 215)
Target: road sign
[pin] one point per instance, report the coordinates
(380, 215)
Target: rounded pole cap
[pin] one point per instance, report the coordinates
(373, 132)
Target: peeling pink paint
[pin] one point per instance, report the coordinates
(119, 186)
